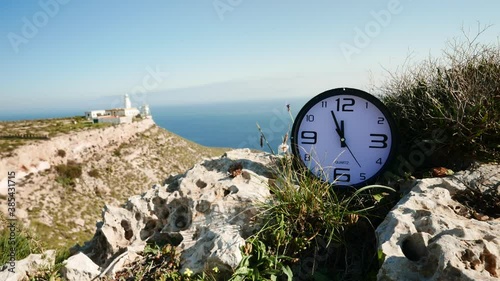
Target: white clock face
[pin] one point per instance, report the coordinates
(344, 136)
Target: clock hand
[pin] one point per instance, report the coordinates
(340, 132)
(353, 155)
(339, 129)
(342, 125)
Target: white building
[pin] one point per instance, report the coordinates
(114, 119)
(127, 112)
(94, 114)
(115, 115)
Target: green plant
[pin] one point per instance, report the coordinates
(67, 173)
(452, 103)
(62, 254)
(24, 241)
(259, 262)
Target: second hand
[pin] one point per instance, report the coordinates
(353, 155)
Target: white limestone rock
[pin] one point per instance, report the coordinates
(425, 237)
(80, 268)
(206, 212)
(28, 266)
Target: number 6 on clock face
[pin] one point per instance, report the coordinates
(344, 136)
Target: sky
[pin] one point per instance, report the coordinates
(85, 54)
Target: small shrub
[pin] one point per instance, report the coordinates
(94, 173)
(457, 96)
(70, 170)
(67, 173)
(61, 153)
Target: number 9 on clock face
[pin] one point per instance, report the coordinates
(344, 136)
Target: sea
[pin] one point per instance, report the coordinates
(228, 125)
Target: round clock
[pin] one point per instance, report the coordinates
(344, 136)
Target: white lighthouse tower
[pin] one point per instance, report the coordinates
(127, 103)
(145, 112)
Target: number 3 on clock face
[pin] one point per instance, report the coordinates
(344, 136)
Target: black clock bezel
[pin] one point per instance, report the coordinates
(354, 92)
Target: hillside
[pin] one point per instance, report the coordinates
(62, 183)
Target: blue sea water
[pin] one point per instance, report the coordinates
(230, 125)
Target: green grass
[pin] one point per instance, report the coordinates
(25, 241)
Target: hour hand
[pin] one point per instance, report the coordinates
(339, 130)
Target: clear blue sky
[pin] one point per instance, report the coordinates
(86, 52)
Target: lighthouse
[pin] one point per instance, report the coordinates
(127, 103)
(145, 112)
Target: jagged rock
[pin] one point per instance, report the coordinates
(28, 266)
(427, 237)
(80, 268)
(206, 212)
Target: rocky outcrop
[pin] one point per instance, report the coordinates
(207, 212)
(27, 266)
(431, 236)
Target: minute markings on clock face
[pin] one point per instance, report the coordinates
(345, 139)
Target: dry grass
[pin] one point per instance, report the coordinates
(459, 95)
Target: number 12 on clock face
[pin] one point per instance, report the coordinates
(344, 136)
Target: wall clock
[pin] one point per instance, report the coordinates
(344, 136)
